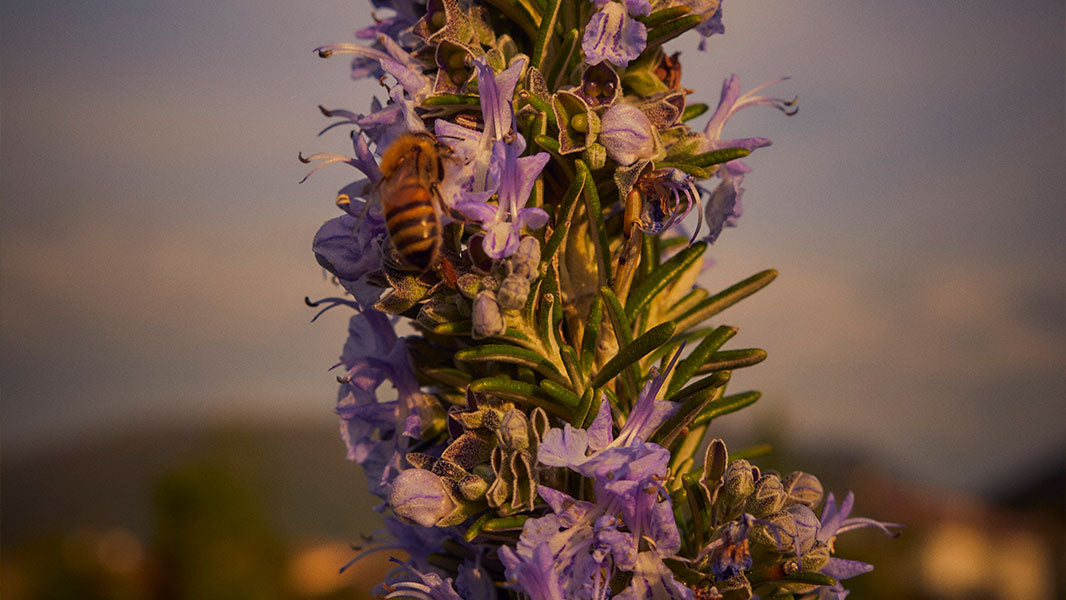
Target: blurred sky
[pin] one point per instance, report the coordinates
(155, 246)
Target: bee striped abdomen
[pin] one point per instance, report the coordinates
(413, 226)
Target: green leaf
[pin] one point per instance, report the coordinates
(595, 215)
(563, 217)
(520, 391)
(490, 522)
(540, 105)
(623, 328)
(661, 277)
(694, 110)
(806, 577)
(695, 171)
(725, 406)
(592, 334)
(548, 143)
(687, 366)
(517, 337)
(544, 32)
(669, 348)
(696, 387)
(454, 328)
(563, 54)
(513, 355)
(717, 157)
(452, 100)
(728, 360)
(623, 333)
(630, 354)
(643, 82)
(690, 408)
(545, 324)
(453, 377)
(573, 368)
(561, 394)
(597, 398)
(724, 299)
(582, 412)
(512, 523)
(662, 16)
(697, 505)
(670, 30)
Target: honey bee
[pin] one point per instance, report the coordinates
(411, 168)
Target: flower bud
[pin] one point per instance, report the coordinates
(627, 133)
(739, 483)
(420, 496)
(437, 311)
(595, 156)
(514, 430)
(472, 487)
(513, 292)
(488, 321)
(468, 284)
(735, 588)
(777, 532)
(802, 488)
(807, 526)
(768, 497)
(816, 557)
(525, 262)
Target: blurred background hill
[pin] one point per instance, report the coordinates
(273, 512)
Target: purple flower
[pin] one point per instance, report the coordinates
(627, 134)
(630, 505)
(724, 207)
(384, 123)
(711, 11)
(653, 579)
(488, 321)
(409, 582)
(668, 196)
(535, 574)
(730, 553)
(398, 27)
(613, 35)
(349, 246)
(376, 432)
(420, 496)
(495, 168)
(475, 149)
(512, 179)
(835, 521)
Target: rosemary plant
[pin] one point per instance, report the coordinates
(520, 213)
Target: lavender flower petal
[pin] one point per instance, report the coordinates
(613, 36)
(627, 134)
